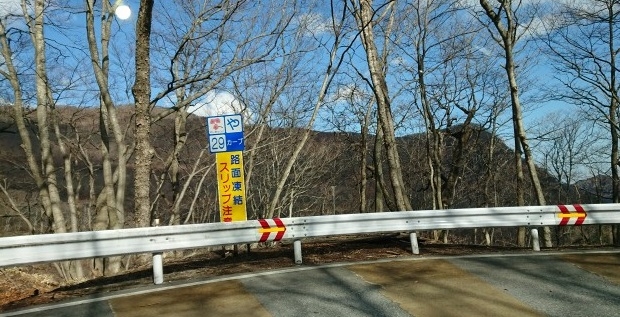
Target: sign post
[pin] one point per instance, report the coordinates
(225, 134)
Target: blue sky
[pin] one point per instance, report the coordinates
(216, 100)
(71, 34)
(219, 99)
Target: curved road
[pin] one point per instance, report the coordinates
(531, 284)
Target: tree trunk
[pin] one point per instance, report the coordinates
(142, 92)
(377, 74)
(521, 136)
(381, 194)
(613, 114)
(363, 157)
(508, 32)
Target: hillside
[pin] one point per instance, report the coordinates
(326, 179)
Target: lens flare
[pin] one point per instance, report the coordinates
(123, 12)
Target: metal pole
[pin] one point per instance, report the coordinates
(535, 240)
(414, 243)
(297, 250)
(158, 268)
(158, 263)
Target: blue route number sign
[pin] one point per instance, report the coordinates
(225, 133)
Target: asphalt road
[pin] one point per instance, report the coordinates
(532, 284)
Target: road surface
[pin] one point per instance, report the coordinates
(531, 284)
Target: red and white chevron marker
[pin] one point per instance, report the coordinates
(569, 212)
(266, 229)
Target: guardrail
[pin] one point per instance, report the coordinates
(21, 250)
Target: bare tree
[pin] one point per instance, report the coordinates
(43, 168)
(261, 89)
(507, 32)
(565, 147)
(494, 162)
(142, 96)
(366, 18)
(13, 206)
(110, 207)
(204, 53)
(334, 62)
(351, 110)
(582, 42)
(566, 152)
(435, 57)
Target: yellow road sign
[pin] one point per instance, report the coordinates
(231, 186)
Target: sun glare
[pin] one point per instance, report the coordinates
(123, 12)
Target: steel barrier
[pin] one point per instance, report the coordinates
(21, 250)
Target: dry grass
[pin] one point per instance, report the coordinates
(17, 284)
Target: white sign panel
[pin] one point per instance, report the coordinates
(225, 133)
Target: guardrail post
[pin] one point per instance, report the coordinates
(158, 268)
(535, 240)
(414, 243)
(158, 263)
(297, 250)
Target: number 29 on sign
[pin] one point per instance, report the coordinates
(217, 143)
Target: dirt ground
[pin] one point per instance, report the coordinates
(33, 285)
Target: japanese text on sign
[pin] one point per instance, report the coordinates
(231, 186)
(225, 133)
